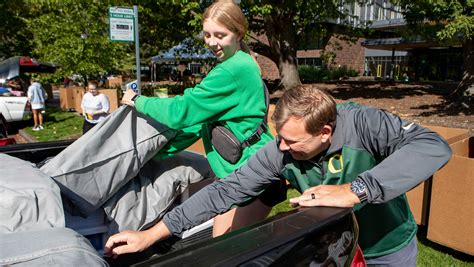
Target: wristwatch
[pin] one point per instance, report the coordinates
(134, 98)
(359, 188)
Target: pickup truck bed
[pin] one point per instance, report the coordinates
(301, 237)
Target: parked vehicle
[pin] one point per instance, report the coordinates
(319, 235)
(4, 139)
(15, 66)
(15, 105)
(15, 108)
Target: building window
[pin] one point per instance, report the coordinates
(309, 61)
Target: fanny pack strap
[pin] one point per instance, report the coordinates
(262, 127)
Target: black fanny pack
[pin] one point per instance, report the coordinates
(228, 145)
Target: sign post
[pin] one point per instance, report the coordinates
(124, 28)
(122, 24)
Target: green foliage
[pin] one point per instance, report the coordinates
(166, 23)
(14, 40)
(309, 74)
(448, 20)
(172, 89)
(74, 34)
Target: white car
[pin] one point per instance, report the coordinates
(15, 108)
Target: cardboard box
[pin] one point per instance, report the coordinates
(77, 95)
(66, 98)
(451, 218)
(419, 197)
(113, 82)
(113, 98)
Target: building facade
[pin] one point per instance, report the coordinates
(385, 54)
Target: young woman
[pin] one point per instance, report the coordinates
(95, 107)
(37, 96)
(232, 95)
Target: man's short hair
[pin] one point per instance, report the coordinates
(315, 106)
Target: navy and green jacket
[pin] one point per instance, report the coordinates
(389, 154)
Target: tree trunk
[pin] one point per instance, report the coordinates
(466, 86)
(282, 41)
(288, 73)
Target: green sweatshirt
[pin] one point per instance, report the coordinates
(232, 93)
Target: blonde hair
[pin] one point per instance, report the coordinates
(315, 106)
(229, 15)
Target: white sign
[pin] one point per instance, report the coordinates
(122, 24)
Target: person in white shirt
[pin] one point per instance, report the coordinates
(95, 107)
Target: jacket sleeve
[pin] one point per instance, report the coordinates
(216, 95)
(408, 153)
(243, 184)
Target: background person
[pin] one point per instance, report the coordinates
(37, 95)
(95, 107)
(341, 156)
(232, 94)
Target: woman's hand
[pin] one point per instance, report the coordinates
(127, 98)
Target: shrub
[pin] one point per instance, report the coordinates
(309, 74)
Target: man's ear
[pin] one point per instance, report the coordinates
(326, 133)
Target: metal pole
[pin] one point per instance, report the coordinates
(137, 51)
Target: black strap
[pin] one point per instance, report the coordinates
(262, 127)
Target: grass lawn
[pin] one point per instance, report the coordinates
(58, 125)
(429, 254)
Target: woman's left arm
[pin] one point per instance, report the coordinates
(214, 98)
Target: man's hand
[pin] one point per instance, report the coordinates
(127, 98)
(327, 195)
(135, 241)
(127, 242)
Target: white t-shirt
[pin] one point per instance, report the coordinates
(91, 104)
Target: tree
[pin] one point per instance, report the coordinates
(164, 24)
(14, 40)
(74, 34)
(451, 22)
(288, 23)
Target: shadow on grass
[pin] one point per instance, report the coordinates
(421, 236)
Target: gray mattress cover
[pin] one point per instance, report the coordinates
(32, 219)
(48, 247)
(144, 200)
(97, 165)
(29, 199)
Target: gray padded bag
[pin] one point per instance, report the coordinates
(97, 165)
(145, 199)
(29, 199)
(48, 247)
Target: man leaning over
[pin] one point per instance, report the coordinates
(341, 156)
